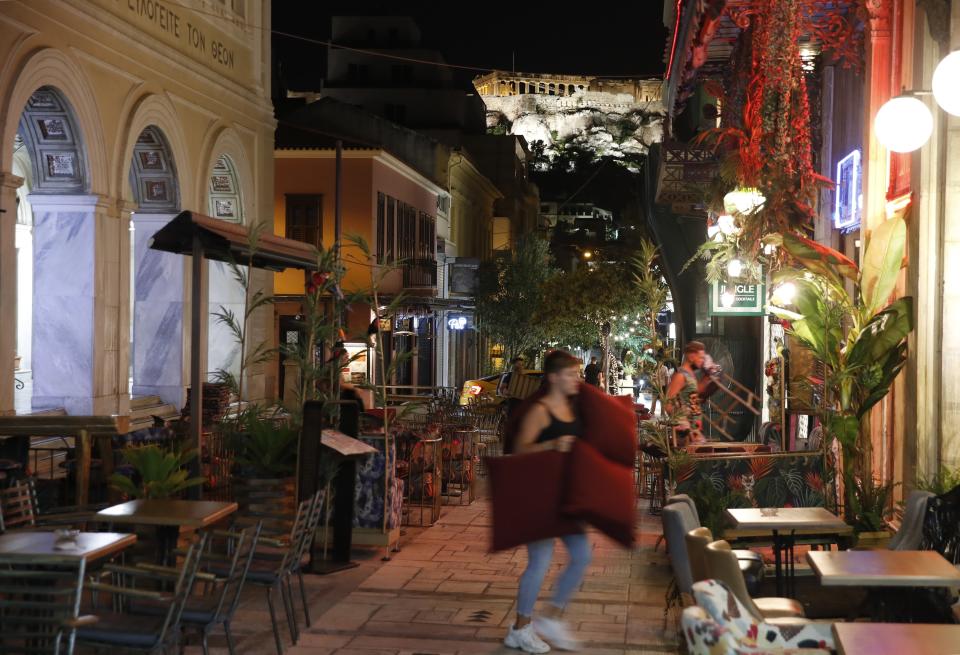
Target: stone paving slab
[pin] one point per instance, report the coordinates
(446, 594)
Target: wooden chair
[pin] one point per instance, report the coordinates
(127, 631)
(40, 604)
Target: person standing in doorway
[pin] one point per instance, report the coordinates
(591, 374)
(683, 395)
(551, 423)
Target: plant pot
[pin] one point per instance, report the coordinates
(878, 539)
(270, 500)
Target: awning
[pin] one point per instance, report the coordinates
(226, 242)
(203, 237)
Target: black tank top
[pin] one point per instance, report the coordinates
(558, 428)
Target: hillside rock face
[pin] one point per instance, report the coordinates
(603, 124)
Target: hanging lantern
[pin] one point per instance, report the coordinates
(946, 83)
(903, 124)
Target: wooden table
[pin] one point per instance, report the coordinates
(903, 585)
(784, 526)
(168, 516)
(884, 568)
(89, 546)
(896, 639)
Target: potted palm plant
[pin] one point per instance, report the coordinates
(861, 338)
(156, 472)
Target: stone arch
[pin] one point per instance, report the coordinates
(225, 142)
(52, 136)
(523, 87)
(154, 112)
(49, 134)
(48, 67)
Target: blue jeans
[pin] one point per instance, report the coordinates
(539, 556)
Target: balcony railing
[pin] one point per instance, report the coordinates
(420, 274)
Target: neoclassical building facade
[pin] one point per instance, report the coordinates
(115, 116)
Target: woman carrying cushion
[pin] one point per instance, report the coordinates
(550, 423)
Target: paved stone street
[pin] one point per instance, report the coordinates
(446, 594)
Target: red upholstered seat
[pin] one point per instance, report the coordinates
(601, 492)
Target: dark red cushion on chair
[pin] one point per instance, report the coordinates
(609, 425)
(525, 495)
(601, 493)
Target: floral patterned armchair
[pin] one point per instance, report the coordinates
(753, 634)
(704, 636)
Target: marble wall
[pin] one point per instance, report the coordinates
(158, 312)
(226, 293)
(63, 307)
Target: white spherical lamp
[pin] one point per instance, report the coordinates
(903, 124)
(734, 268)
(727, 225)
(727, 298)
(946, 83)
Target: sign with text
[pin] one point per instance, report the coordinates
(737, 299)
(189, 31)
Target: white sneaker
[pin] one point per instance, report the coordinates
(555, 631)
(526, 640)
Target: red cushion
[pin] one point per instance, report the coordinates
(609, 424)
(601, 493)
(525, 495)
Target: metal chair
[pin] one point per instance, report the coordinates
(19, 508)
(40, 604)
(274, 570)
(217, 607)
(127, 631)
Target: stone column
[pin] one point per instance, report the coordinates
(9, 184)
(158, 315)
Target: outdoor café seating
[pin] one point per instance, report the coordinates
(719, 612)
(722, 564)
(129, 631)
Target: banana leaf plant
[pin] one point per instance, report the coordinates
(158, 472)
(861, 338)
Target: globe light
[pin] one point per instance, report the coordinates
(946, 83)
(734, 268)
(727, 298)
(903, 124)
(727, 225)
(743, 200)
(785, 293)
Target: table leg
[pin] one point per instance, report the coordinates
(778, 562)
(167, 536)
(791, 565)
(82, 446)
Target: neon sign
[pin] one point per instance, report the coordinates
(849, 199)
(457, 323)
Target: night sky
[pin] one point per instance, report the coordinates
(608, 40)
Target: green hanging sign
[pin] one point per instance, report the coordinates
(737, 299)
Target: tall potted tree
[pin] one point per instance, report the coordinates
(861, 338)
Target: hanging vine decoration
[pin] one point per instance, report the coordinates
(771, 148)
